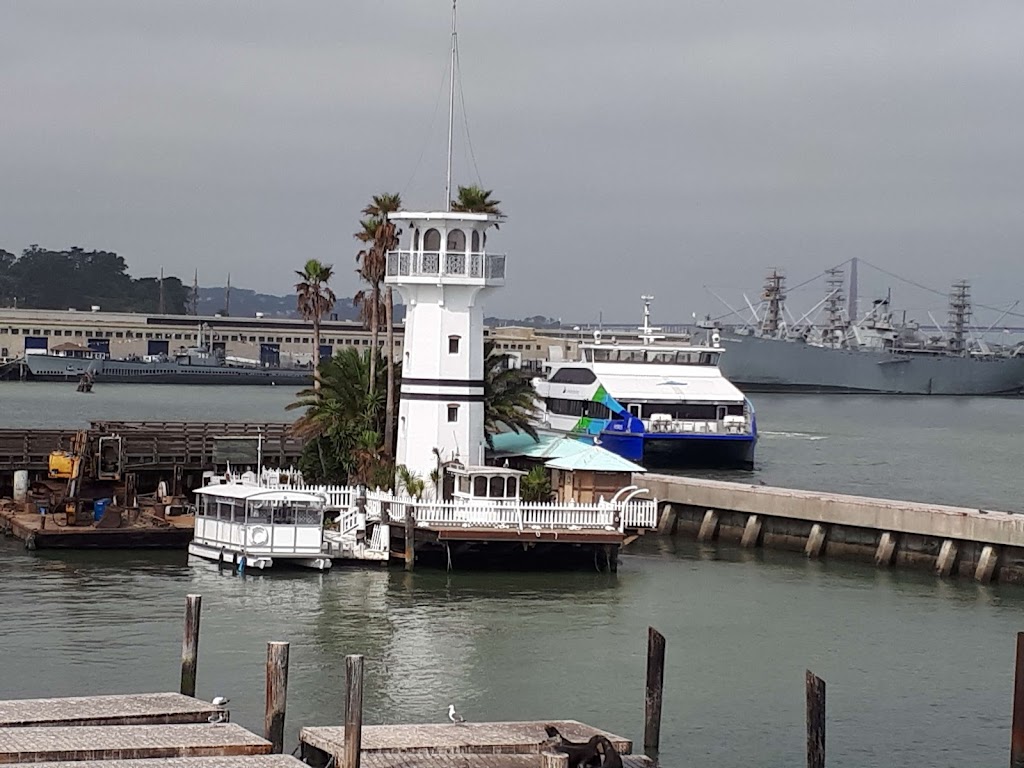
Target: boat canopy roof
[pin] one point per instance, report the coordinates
(257, 493)
(627, 383)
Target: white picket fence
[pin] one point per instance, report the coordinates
(601, 516)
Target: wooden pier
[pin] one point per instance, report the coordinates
(176, 730)
(153, 449)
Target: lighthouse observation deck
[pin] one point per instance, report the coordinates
(472, 265)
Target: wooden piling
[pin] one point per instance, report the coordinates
(353, 711)
(131, 494)
(655, 684)
(1017, 726)
(815, 721)
(410, 538)
(277, 696)
(190, 644)
(550, 759)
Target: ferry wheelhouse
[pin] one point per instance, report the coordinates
(662, 405)
(261, 525)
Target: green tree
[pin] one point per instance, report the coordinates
(314, 301)
(474, 199)
(381, 235)
(536, 485)
(509, 398)
(343, 422)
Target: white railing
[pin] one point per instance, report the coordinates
(378, 540)
(602, 515)
(739, 426)
(472, 264)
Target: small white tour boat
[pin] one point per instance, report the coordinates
(261, 525)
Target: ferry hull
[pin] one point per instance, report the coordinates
(772, 365)
(682, 451)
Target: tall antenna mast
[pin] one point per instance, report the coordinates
(451, 117)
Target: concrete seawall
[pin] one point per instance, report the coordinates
(984, 545)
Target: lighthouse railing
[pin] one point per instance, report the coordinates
(471, 264)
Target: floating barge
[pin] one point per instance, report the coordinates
(50, 531)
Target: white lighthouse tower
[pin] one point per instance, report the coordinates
(443, 271)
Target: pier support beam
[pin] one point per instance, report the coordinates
(709, 527)
(751, 532)
(353, 711)
(886, 549)
(190, 644)
(667, 520)
(947, 558)
(986, 564)
(655, 685)
(277, 696)
(815, 541)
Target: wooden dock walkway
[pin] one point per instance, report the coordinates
(126, 742)
(128, 709)
(247, 761)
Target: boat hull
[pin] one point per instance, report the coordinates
(772, 365)
(54, 368)
(689, 451)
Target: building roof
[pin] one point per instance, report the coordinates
(594, 458)
(68, 346)
(561, 452)
(239, 491)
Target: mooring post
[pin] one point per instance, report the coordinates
(410, 538)
(277, 696)
(178, 485)
(353, 711)
(655, 684)
(1017, 727)
(131, 494)
(190, 644)
(550, 759)
(815, 721)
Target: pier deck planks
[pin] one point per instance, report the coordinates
(127, 709)
(243, 761)
(509, 738)
(126, 742)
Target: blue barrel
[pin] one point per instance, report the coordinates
(99, 507)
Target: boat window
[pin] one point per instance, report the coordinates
(431, 240)
(598, 410)
(284, 515)
(573, 376)
(464, 484)
(307, 516)
(480, 486)
(456, 240)
(512, 488)
(564, 407)
(497, 488)
(260, 513)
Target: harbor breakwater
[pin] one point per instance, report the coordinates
(976, 543)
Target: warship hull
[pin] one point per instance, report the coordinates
(55, 368)
(771, 365)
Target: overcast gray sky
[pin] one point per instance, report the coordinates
(636, 147)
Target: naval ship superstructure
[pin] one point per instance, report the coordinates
(870, 354)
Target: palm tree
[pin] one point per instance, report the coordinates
(382, 233)
(315, 300)
(509, 403)
(474, 199)
(342, 422)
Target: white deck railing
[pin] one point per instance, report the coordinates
(600, 516)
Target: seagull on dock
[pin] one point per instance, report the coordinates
(219, 701)
(454, 716)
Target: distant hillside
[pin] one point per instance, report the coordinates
(246, 303)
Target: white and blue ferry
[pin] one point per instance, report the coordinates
(662, 405)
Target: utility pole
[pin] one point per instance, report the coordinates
(227, 297)
(194, 302)
(161, 310)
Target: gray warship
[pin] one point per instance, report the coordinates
(871, 355)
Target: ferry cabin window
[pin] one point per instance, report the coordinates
(464, 485)
(480, 487)
(453, 346)
(453, 413)
(497, 488)
(573, 376)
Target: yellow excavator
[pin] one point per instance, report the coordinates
(70, 465)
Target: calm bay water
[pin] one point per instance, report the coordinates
(918, 670)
